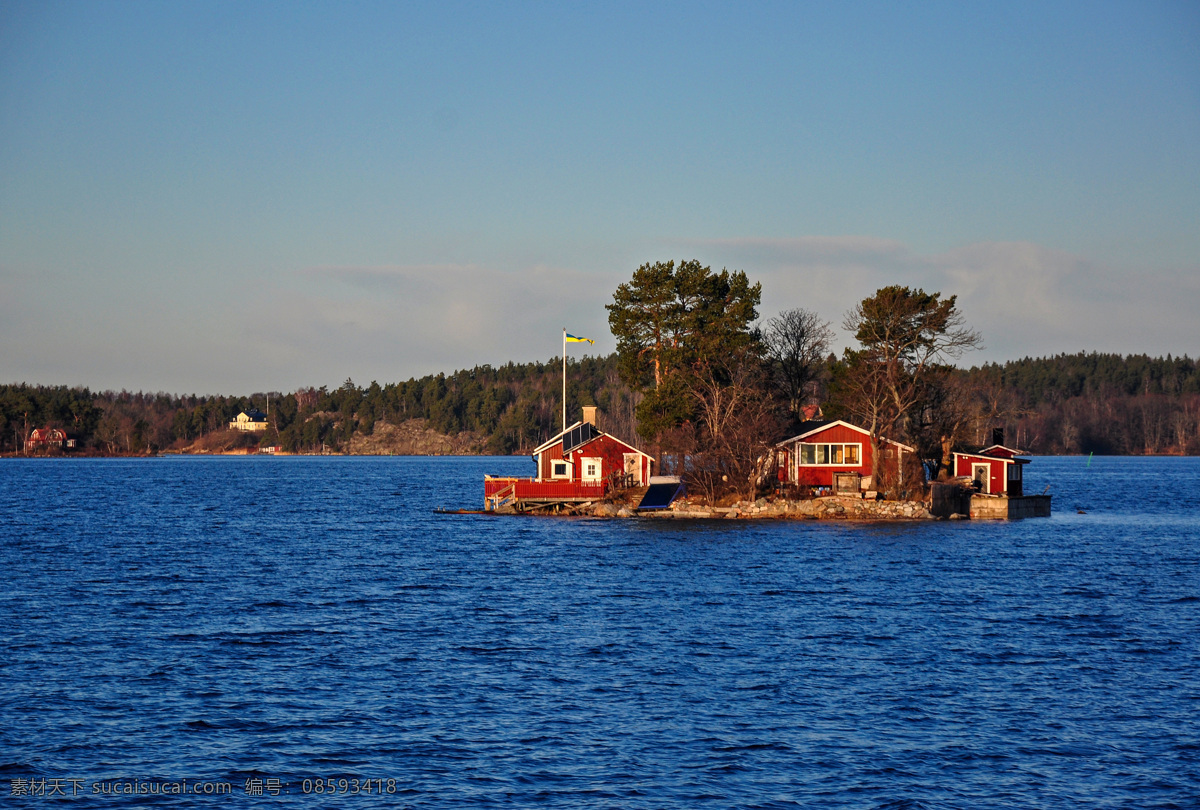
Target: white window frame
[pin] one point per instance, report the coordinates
(599, 474)
(800, 454)
(560, 476)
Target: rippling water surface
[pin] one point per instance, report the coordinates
(243, 620)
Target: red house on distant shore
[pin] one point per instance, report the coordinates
(47, 437)
(996, 469)
(582, 463)
(823, 449)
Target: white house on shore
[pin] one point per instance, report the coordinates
(251, 420)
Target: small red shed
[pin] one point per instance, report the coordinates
(824, 448)
(997, 469)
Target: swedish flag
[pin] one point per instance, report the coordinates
(572, 339)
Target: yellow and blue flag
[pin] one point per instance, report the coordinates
(572, 339)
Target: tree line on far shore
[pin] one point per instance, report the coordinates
(512, 408)
(695, 376)
(1065, 404)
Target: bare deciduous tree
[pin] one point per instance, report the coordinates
(797, 342)
(737, 420)
(957, 407)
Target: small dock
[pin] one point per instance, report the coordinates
(958, 498)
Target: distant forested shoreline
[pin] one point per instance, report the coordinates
(1065, 404)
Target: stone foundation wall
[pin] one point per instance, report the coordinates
(991, 507)
(829, 508)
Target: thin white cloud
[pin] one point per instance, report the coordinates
(389, 278)
(395, 321)
(818, 249)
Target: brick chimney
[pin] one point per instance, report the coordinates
(589, 415)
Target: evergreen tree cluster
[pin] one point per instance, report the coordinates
(1090, 402)
(1065, 376)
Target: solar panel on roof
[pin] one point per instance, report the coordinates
(579, 436)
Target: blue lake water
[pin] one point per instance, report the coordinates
(275, 623)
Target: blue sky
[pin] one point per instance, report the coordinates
(239, 197)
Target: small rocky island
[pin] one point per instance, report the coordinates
(824, 472)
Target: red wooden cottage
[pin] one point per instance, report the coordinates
(997, 470)
(47, 437)
(582, 463)
(825, 448)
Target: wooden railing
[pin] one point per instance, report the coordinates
(498, 490)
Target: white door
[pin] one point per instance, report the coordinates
(983, 474)
(633, 468)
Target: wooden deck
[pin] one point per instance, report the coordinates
(523, 494)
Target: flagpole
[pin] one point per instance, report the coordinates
(564, 379)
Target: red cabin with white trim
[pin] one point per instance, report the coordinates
(584, 454)
(996, 469)
(47, 437)
(824, 448)
(581, 463)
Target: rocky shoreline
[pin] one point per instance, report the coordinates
(827, 508)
